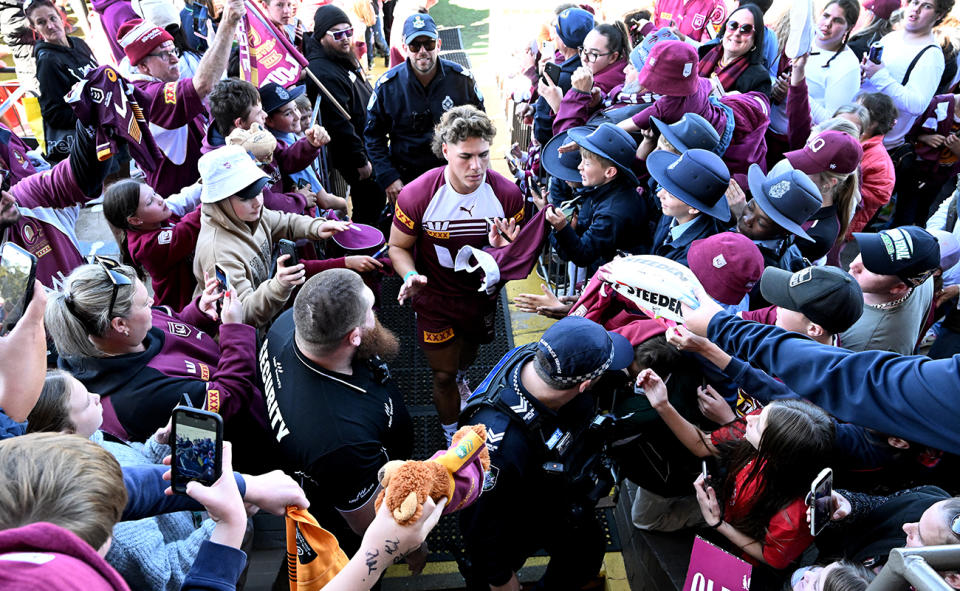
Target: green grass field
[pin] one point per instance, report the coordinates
(476, 23)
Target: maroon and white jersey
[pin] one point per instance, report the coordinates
(444, 221)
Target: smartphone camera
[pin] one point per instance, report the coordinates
(197, 442)
(17, 271)
(875, 53)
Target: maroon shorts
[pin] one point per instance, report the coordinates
(441, 318)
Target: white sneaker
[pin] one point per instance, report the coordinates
(801, 29)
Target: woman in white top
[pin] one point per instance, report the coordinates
(833, 71)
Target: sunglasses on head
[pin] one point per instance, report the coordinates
(428, 44)
(341, 35)
(116, 278)
(745, 28)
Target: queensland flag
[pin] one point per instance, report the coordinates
(266, 55)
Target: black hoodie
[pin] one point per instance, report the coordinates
(58, 69)
(348, 84)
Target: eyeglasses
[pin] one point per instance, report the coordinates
(428, 44)
(745, 28)
(116, 278)
(591, 56)
(341, 35)
(4, 179)
(166, 55)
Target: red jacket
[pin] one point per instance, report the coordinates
(877, 179)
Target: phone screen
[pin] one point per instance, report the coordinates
(17, 268)
(822, 502)
(704, 470)
(222, 282)
(197, 439)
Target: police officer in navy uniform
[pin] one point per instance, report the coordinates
(537, 410)
(407, 103)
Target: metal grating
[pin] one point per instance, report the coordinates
(458, 57)
(450, 38)
(413, 377)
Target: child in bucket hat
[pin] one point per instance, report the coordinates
(781, 203)
(691, 189)
(610, 216)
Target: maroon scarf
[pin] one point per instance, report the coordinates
(728, 75)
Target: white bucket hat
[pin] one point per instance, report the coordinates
(227, 171)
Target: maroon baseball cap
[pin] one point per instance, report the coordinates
(727, 264)
(828, 151)
(671, 69)
(881, 8)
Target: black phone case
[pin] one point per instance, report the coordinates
(177, 482)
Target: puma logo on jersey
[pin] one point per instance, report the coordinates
(469, 211)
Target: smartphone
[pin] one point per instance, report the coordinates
(821, 501)
(553, 71)
(875, 53)
(18, 268)
(548, 48)
(197, 442)
(223, 284)
(288, 247)
(535, 186)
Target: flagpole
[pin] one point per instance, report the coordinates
(327, 94)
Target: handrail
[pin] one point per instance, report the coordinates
(917, 567)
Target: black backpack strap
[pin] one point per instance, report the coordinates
(913, 64)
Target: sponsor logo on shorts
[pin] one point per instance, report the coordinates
(438, 337)
(406, 221)
(170, 93)
(213, 400)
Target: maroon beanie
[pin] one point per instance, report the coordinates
(138, 38)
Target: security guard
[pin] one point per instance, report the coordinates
(407, 103)
(537, 493)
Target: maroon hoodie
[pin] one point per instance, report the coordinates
(47, 556)
(575, 107)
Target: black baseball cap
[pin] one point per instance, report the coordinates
(909, 252)
(828, 296)
(273, 96)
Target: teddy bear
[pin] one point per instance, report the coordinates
(257, 141)
(456, 473)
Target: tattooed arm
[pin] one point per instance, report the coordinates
(384, 543)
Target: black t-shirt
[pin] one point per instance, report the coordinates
(337, 429)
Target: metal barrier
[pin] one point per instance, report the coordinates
(450, 38)
(917, 567)
(520, 133)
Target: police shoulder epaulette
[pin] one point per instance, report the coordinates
(388, 76)
(459, 69)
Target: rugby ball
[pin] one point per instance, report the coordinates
(655, 285)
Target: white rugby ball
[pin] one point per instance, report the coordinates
(656, 285)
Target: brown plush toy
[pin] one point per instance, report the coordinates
(456, 474)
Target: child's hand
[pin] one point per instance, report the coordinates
(317, 136)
